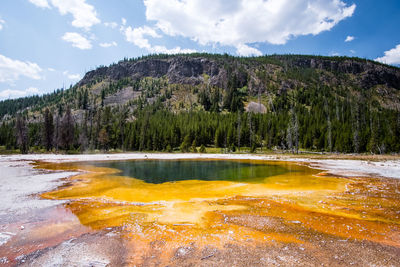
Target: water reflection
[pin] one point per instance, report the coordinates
(161, 171)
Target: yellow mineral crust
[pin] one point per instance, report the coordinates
(282, 208)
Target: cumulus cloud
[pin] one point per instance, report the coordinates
(2, 22)
(160, 49)
(112, 24)
(349, 38)
(9, 93)
(74, 76)
(245, 50)
(71, 76)
(239, 23)
(137, 36)
(77, 40)
(391, 57)
(40, 3)
(106, 45)
(85, 16)
(11, 70)
(32, 91)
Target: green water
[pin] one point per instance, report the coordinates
(161, 171)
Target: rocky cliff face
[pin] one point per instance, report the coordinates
(178, 70)
(368, 73)
(193, 70)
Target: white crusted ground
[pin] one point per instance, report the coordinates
(335, 166)
(20, 185)
(19, 182)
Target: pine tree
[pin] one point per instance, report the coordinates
(67, 130)
(22, 134)
(194, 149)
(103, 96)
(215, 101)
(85, 99)
(239, 130)
(202, 149)
(83, 135)
(292, 132)
(48, 130)
(204, 100)
(57, 135)
(185, 146)
(104, 138)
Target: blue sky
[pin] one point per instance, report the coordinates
(48, 44)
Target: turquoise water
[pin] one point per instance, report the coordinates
(161, 171)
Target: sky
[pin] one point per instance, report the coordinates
(51, 44)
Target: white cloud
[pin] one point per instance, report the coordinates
(106, 45)
(85, 16)
(137, 37)
(9, 93)
(11, 70)
(32, 91)
(349, 38)
(40, 3)
(352, 51)
(77, 40)
(245, 50)
(239, 22)
(160, 49)
(71, 76)
(391, 57)
(112, 24)
(74, 76)
(2, 22)
(51, 69)
(123, 21)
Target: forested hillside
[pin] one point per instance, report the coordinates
(190, 102)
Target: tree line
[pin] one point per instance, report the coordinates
(307, 114)
(344, 127)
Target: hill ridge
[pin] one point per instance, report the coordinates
(166, 102)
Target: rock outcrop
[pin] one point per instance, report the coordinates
(178, 70)
(216, 70)
(368, 73)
